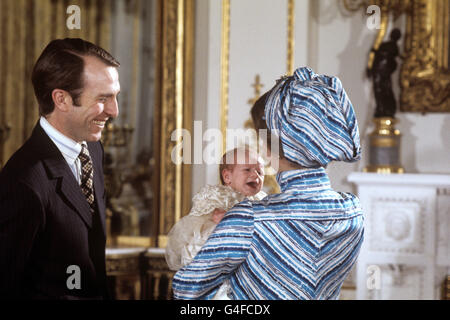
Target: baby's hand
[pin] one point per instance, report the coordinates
(217, 215)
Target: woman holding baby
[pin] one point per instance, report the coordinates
(302, 242)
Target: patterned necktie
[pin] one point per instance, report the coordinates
(87, 176)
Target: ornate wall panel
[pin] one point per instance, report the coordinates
(174, 107)
(425, 73)
(398, 225)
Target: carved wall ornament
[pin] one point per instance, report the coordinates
(425, 73)
(398, 225)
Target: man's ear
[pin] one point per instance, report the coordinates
(62, 100)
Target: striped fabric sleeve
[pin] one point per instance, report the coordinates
(226, 248)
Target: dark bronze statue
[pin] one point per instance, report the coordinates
(383, 67)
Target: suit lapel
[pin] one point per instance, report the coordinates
(67, 187)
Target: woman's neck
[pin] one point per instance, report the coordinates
(286, 165)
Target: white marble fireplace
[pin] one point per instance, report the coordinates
(406, 249)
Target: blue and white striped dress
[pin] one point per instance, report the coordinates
(299, 244)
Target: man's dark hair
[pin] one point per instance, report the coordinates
(60, 66)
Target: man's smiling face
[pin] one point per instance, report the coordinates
(97, 103)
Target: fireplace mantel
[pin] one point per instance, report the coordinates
(406, 249)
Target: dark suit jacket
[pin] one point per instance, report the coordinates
(46, 225)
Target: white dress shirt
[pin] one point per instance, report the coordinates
(69, 148)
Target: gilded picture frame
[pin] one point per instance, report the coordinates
(425, 73)
(172, 185)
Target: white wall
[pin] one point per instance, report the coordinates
(328, 39)
(206, 104)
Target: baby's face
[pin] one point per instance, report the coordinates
(246, 178)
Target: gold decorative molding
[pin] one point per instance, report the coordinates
(290, 36)
(425, 73)
(257, 88)
(224, 71)
(384, 169)
(188, 91)
(384, 151)
(175, 111)
(130, 241)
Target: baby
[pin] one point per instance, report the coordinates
(243, 171)
(242, 176)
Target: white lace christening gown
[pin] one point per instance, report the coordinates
(190, 233)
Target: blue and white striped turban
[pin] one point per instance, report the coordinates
(314, 119)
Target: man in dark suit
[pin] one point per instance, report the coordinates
(52, 196)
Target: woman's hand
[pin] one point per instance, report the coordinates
(217, 215)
